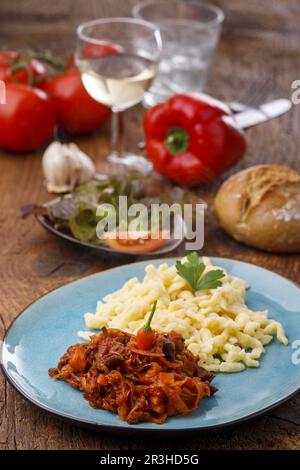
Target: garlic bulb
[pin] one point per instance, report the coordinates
(65, 165)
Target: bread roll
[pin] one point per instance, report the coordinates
(260, 207)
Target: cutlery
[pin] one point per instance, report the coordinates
(248, 116)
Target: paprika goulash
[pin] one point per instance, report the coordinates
(137, 384)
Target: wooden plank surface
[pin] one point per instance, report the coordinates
(260, 40)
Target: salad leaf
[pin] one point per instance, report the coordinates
(83, 226)
(75, 212)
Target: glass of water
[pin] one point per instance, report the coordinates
(118, 59)
(190, 32)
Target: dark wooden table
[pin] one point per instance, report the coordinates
(260, 40)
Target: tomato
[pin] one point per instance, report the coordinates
(128, 243)
(77, 112)
(27, 119)
(36, 67)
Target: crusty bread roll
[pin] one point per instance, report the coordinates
(260, 207)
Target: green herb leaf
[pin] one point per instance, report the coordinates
(75, 212)
(192, 271)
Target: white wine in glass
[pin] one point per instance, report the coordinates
(118, 59)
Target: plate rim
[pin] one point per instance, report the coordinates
(119, 429)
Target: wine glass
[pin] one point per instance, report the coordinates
(118, 59)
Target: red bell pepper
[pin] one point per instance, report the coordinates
(192, 138)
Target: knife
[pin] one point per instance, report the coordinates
(251, 116)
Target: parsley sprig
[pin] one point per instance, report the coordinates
(192, 271)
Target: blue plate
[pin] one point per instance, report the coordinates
(41, 334)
